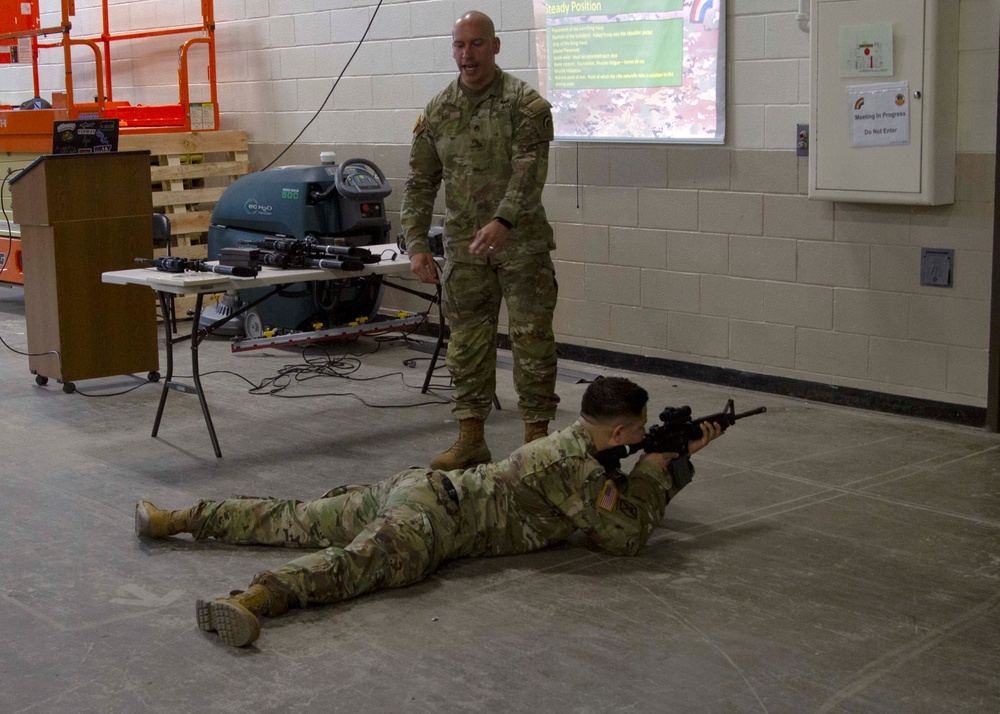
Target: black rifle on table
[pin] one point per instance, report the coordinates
(676, 430)
(176, 264)
(295, 253)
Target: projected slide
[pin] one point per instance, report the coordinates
(633, 70)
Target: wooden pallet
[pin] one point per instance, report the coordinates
(9, 166)
(188, 173)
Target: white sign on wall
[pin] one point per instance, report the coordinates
(866, 49)
(24, 50)
(880, 114)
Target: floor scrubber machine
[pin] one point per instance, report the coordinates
(332, 204)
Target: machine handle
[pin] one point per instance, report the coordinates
(346, 188)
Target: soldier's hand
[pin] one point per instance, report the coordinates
(425, 268)
(489, 240)
(708, 433)
(660, 459)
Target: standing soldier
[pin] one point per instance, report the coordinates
(486, 136)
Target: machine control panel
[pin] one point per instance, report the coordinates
(361, 177)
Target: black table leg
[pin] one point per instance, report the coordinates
(168, 339)
(437, 346)
(196, 337)
(198, 333)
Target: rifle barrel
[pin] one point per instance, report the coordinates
(758, 410)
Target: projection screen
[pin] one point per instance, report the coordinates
(634, 70)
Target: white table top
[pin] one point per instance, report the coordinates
(189, 283)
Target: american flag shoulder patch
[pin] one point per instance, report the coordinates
(609, 496)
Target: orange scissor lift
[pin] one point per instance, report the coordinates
(31, 130)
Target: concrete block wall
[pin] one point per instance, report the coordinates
(704, 254)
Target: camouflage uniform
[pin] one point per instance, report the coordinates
(399, 531)
(492, 155)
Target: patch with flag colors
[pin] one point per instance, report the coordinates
(609, 496)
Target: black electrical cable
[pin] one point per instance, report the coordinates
(33, 354)
(59, 359)
(10, 246)
(329, 366)
(316, 367)
(3, 210)
(330, 93)
(144, 383)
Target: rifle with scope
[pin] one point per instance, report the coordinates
(176, 264)
(295, 253)
(675, 431)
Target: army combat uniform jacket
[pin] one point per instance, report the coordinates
(492, 155)
(491, 151)
(399, 531)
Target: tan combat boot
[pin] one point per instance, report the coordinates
(535, 430)
(235, 618)
(469, 450)
(151, 522)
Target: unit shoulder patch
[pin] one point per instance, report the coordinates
(628, 508)
(537, 106)
(537, 111)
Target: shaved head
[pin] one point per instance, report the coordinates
(474, 45)
(479, 19)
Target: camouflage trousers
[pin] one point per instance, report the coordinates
(472, 294)
(392, 534)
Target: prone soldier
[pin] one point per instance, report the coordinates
(397, 532)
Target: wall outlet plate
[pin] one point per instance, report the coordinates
(937, 267)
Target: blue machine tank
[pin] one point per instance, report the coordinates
(331, 203)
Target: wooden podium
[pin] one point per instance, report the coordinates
(82, 215)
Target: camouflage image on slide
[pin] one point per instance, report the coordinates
(633, 70)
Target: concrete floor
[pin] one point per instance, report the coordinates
(823, 560)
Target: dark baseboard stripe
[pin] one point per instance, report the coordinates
(961, 414)
(802, 389)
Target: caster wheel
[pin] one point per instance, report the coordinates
(69, 387)
(40, 380)
(253, 325)
(153, 376)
